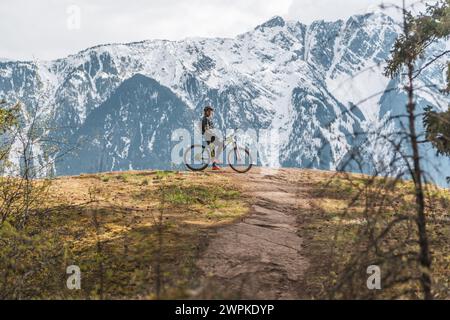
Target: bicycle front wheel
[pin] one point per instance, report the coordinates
(197, 158)
(240, 160)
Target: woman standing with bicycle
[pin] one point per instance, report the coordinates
(198, 157)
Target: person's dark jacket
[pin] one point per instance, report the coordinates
(207, 124)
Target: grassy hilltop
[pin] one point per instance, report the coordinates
(138, 235)
(126, 231)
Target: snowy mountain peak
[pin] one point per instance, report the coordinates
(276, 21)
(311, 86)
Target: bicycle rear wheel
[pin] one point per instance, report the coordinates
(197, 158)
(240, 160)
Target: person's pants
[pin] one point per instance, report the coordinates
(213, 137)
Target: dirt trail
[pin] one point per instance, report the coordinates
(261, 256)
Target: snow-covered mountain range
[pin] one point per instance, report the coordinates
(315, 85)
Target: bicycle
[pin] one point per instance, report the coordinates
(198, 157)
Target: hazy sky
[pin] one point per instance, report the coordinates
(49, 29)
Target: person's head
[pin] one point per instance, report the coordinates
(208, 111)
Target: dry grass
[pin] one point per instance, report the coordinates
(332, 226)
(130, 231)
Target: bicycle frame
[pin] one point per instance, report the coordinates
(231, 139)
